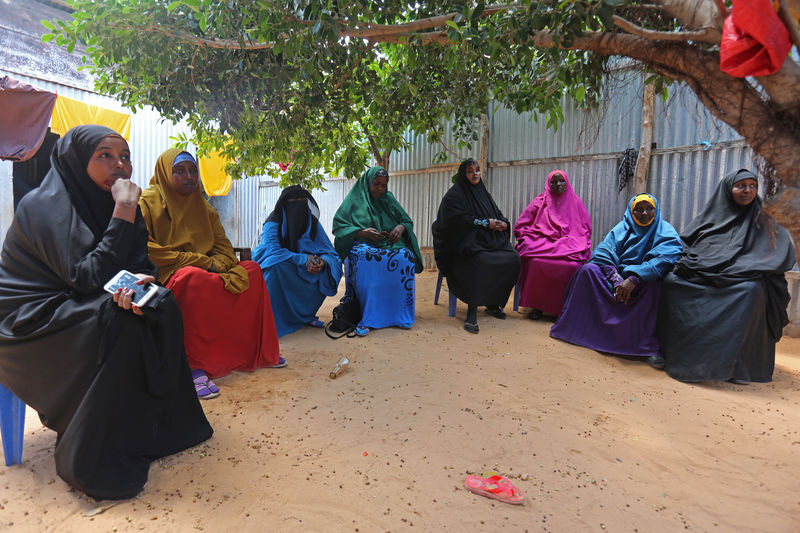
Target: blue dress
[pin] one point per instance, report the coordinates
(383, 281)
(296, 294)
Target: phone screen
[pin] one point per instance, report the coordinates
(128, 281)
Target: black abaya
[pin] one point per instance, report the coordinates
(116, 387)
(481, 265)
(724, 307)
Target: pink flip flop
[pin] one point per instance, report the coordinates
(495, 487)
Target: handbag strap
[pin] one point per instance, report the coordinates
(350, 333)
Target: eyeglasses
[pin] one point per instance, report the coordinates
(745, 186)
(643, 210)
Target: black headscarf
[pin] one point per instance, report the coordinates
(454, 231)
(69, 159)
(298, 216)
(727, 242)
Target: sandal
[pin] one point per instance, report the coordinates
(281, 363)
(317, 323)
(535, 314)
(204, 387)
(361, 332)
(472, 328)
(496, 312)
(495, 487)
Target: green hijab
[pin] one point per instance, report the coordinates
(359, 211)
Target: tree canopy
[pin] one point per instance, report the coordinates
(327, 83)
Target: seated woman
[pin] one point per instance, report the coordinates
(298, 260)
(472, 247)
(112, 383)
(227, 316)
(724, 306)
(553, 240)
(375, 237)
(611, 302)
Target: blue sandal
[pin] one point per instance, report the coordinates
(281, 363)
(317, 323)
(361, 332)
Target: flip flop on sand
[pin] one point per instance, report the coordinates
(495, 487)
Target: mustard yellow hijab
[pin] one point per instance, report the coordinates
(186, 230)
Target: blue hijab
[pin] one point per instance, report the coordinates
(647, 251)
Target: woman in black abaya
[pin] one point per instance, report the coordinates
(111, 379)
(471, 244)
(724, 307)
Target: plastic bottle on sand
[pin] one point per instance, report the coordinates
(340, 366)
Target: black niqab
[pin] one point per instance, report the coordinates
(297, 216)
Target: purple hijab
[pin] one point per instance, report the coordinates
(555, 226)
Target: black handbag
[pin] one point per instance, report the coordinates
(346, 317)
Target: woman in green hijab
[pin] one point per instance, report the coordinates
(375, 238)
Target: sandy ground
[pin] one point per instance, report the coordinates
(597, 443)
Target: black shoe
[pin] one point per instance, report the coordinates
(496, 312)
(656, 361)
(535, 314)
(471, 327)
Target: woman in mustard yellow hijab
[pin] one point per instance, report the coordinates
(227, 317)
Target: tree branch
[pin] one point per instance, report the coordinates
(723, 9)
(354, 67)
(701, 36)
(391, 33)
(786, 17)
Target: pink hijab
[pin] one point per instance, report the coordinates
(555, 226)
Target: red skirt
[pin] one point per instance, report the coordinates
(542, 283)
(222, 331)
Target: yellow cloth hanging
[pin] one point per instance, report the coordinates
(69, 113)
(212, 174)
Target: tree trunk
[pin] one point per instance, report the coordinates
(484, 161)
(643, 161)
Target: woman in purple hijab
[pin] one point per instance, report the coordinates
(553, 240)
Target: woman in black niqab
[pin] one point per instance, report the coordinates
(723, 308)
(472, 248)
(114, 386)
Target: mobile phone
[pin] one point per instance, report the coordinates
(125, 280)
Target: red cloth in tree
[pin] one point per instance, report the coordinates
(223, 331)
(755, 41)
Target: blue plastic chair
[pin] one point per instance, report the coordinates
(452, 299)
(12, 425)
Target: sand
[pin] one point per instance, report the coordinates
(596, 442)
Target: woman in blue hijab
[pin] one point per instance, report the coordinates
(299, 262)
(611, 302)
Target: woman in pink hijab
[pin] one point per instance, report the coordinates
(553, 240)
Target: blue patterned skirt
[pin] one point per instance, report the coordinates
(383, 281)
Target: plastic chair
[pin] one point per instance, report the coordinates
(12, 425)
(452, 299)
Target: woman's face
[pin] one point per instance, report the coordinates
(378, 187)
(184, 178)
(473, 173)
(745, 191)
(558, 184)
(644, 213)
(110, 161)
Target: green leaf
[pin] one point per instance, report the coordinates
(49, 25)
(47, 37)
(174, 5)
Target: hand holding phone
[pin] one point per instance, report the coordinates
(129, 291)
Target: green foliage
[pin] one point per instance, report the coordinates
(325, 100)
